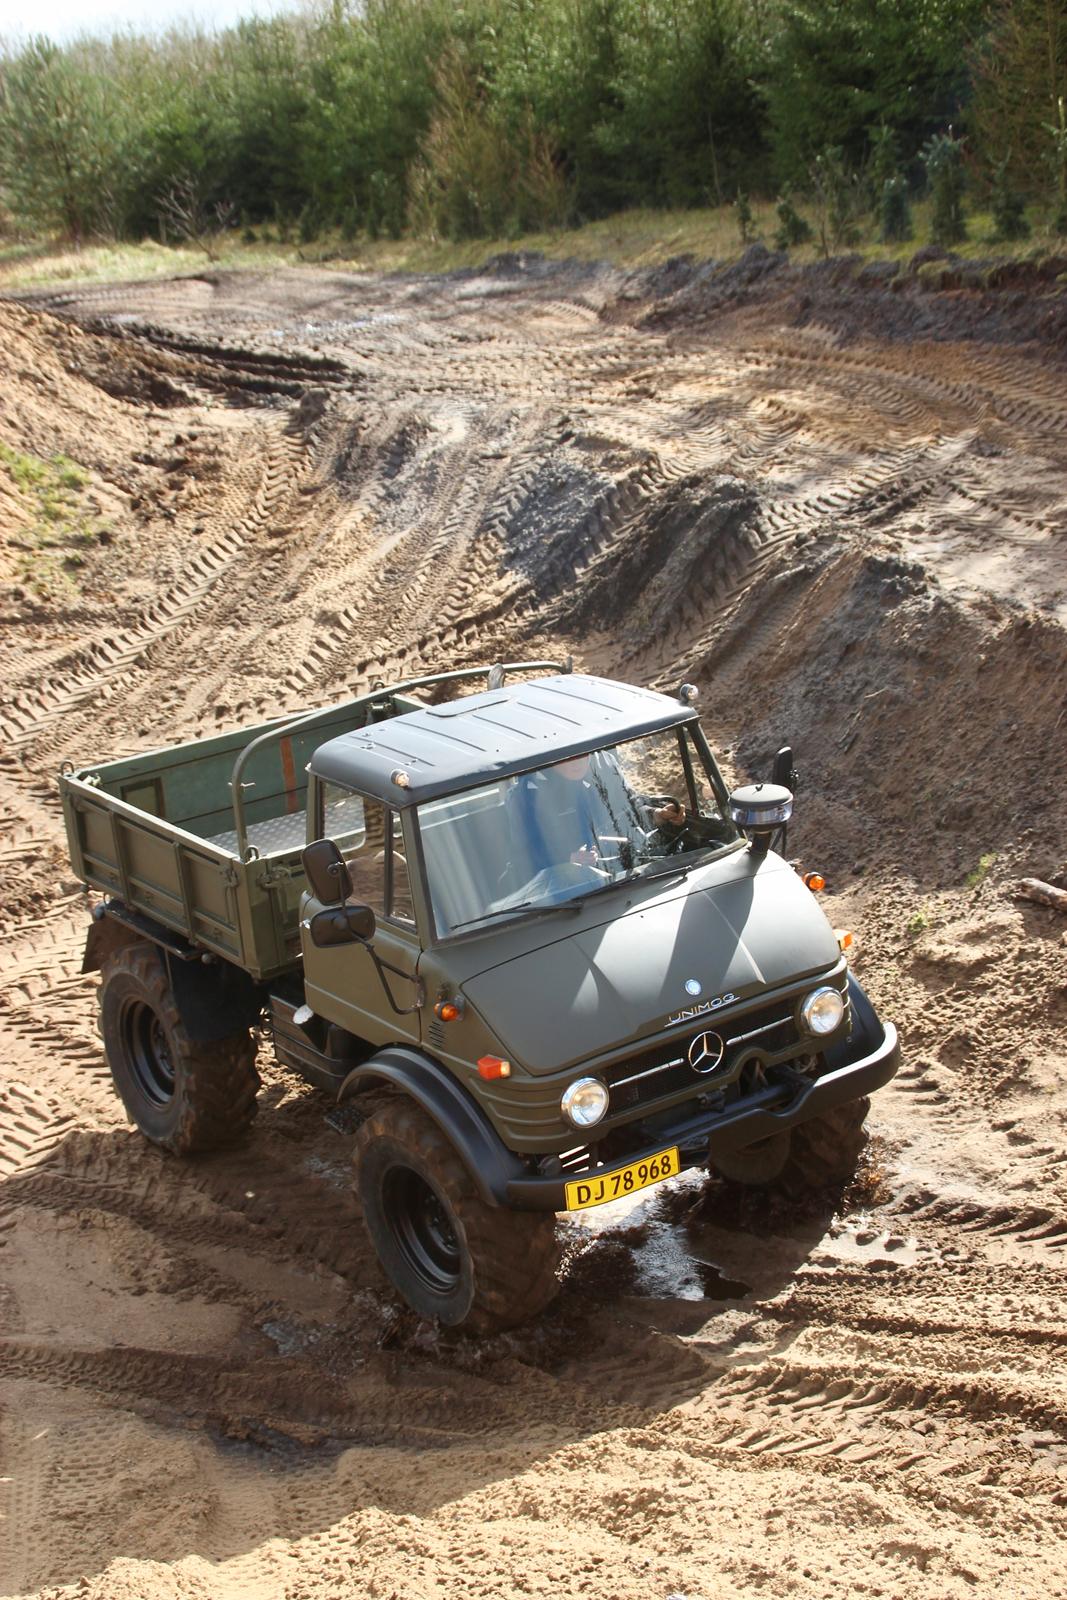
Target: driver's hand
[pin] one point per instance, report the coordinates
(585, 857)
(672, 812)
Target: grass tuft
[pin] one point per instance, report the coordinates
(975, 879)
(60, 525)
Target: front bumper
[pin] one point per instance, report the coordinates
(699, 1139)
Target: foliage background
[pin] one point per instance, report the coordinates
(470, 118)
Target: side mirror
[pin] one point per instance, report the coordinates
(342, 925)
(783, 772)
(328, 877)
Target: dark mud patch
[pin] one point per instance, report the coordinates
(934, 296)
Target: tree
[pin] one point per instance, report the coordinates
(1020, 77)
(56, 136)
(1057, 132)
(688, 124)
(839, 68)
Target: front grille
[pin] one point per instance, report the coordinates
(665, 1069)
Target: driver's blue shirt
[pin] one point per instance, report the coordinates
(550, 817)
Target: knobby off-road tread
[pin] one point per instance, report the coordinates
(515, 1255)
(215, 1086)
(826, 1149)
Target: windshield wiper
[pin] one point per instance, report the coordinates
(672, 871)
(629, 879)
(529, 906)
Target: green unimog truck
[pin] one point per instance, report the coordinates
(527, 928)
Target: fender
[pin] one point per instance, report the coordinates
(488, 1160)
(214, 999)
(106, 936)
(867, 1031)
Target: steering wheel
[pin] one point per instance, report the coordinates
(667, 838)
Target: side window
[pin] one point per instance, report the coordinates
(368, 835)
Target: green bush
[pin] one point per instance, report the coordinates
(1057, 132)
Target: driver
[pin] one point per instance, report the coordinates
(560, 813)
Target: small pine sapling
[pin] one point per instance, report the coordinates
(943, 159)
(1008, 205)
(895, 211)
(793, 229)
(883, 163)
(744, 217)
(837, 196)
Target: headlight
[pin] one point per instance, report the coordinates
(822, 1011)
(584, 1102)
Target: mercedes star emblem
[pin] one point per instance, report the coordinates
(692, 985)
(705, 1052)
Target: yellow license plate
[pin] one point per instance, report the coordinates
(600, 1187)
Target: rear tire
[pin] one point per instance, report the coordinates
(182, 1095)
(451, 1256)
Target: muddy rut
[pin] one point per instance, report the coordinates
(841, 509)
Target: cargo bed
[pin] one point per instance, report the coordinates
(205, 838)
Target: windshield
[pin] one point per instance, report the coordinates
(558, 834)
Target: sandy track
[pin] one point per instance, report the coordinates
(855, 538)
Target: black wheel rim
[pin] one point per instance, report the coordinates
(422, 1229)
(147, 1052)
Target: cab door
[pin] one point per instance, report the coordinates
(342, 982)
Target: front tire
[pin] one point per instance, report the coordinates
(452, 1257)
(756, 1166)
(182, 1095)
(825, 1150)
(810, 1156)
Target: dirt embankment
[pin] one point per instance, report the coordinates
(837, 505)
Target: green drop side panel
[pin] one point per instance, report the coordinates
(170, 876)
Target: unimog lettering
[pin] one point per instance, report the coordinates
(466, 912)
(701, 1010)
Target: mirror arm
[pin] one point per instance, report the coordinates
(382, 967)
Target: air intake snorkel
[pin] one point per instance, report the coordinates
(759, 810)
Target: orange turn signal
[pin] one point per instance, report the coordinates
(446, 1011)
(815, 882)
(493, 1067)
(844, 938)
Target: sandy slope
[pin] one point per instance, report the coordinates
(841, 509)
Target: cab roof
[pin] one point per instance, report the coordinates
(482, 737)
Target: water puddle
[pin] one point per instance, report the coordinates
(665, 1265)
(717, 1286)
(667, 1271)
